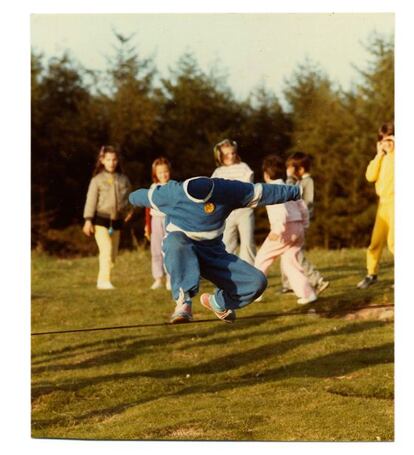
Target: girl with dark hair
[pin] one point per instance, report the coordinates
(105, 210)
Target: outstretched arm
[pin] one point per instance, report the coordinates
(278, 194)
(139, 198)
(240, 194)
(158, 197)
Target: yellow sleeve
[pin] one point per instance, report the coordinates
(373, 169)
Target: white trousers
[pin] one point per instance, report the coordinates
(240, 228)
(108, 250)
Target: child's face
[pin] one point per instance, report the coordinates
(291, 171)
(300, 172)
(110, 162)
(228, 154)
(162, 173)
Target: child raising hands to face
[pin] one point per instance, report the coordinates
(380, 171)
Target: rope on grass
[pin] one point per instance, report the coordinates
(166, 324)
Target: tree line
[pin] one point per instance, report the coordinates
(75, 110)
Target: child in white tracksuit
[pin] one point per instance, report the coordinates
(240, 223)
(285, 240)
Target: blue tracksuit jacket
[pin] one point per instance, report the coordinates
(193, 245)
(198, 218)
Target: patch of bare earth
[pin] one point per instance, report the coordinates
(376, 313)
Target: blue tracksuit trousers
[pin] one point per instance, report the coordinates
(238, 283)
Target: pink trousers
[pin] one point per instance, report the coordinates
(287, 246)
(157, 234)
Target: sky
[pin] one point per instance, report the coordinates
(252, 49)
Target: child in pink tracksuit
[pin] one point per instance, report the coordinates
(155, 225)
(286, 237)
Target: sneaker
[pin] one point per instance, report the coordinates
(105, 285)
(228, 316)
(321, 286)
(305, 300)
(182, 314)
(286, 291)
(157, 284)
(368, 281)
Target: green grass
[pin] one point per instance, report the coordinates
(280, 373)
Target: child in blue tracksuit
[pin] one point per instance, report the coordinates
(196, 210)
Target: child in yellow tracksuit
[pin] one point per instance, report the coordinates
(381, 172)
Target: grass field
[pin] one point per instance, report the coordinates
(282, 372)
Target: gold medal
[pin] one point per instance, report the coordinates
(209, 207)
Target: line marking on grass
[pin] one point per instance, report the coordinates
(168, 324)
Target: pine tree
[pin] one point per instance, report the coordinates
(198, 111)
(319, 122)
(133, 107)
(59, 140)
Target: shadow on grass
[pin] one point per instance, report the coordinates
(330, 307)
(69, 351)
(330, 365)
(97, 415)
(214, 366)
(267, 351)
(136, 348)
(341, 302)
(340, 298)
(339, 363)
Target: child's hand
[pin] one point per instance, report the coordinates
(274, 236)
(128, 217)
(88, 228)
(380, 150)
(294, 238)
